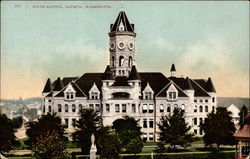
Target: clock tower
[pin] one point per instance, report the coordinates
(122, 46)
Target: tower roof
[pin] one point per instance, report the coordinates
(58, 85)
(134, 74)
(173, 68)
(188, 85)
(122, 20)
(210, 86)
(48, 86)
(108, 74)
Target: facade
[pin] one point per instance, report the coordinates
(235, 113)
(121, 90)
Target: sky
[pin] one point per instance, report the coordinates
(202, 39)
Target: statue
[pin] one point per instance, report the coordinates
(93, 148)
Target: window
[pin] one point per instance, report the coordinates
(151, 136)
(206, 100)
(195, 109)
(213, 99)
(145, 125)
(144, 108)
(97, 107)
(49, 100)
(195, 100)
(168, 108)
(133, 108)
(69, 95)
(66, 122)
(201, 132)
(133, 84)
(145, 137)
(148, 95)
(59, 108)
(201, 108)
(117, 108)
(44, 109)
(107, 84)
(49, 109)
(201, 100)
(66, 107)
(73, 122)
(195, 131)
(91, 106)
(151, 123)
(121, 60)
(73, 108)
(130, 61)
(206, 108)
(151, 108)
(94, 95)
(201, 121)
(195, 121)
(183, 107)
(80, 107)
(124, 108)
(172, 95)
(161, 108)
(213, 108)
(107, 108)
(113, 61)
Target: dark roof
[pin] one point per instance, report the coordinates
(163, 92)
(48, 87)
(210, 86)
(156, 80)
(122, 18)
(86, 81)
(58, 85)
(134, 74)
(79, 92)
(50, 94)
(67, 80)
(243, 134)
(188, 85)
(121, 81)
(172, 68)
(108, 74)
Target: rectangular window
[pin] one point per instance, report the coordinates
(145, 124)
(201, 121)
(73, 122)
(144, 108)
(151, 108)
(91, 106)
(201, 132)
(67, 95)
(151, 136)
(145, 137)
(124, 108)
(148, 95)
(73, 108)
(206, 100)
(195, 102)
(195, 121)
(201, 100)
(97, 107)
(66, 122)
(213, 99)
(117, 108)
(172, 95)
(133, 108)
(151, 123)
(94, 95)
(195, 131)
(107, 108)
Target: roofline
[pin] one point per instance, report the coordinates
(200, 87)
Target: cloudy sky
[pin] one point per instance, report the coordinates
(203, 39)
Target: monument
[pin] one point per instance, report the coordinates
(93, 148)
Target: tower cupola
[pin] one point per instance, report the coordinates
(173, 71)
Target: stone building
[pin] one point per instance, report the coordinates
(121, 90)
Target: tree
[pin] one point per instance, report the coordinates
(218, 128)
(107, 143)
(174, 130)
(8, 128)
(243, 113)
(129, 132)
(46, 137)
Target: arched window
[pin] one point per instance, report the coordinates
(44, 108)
(161, 108)
(80, 107)
(168, 109)
(175, 106)
(59, 108)
(206, 108)
(121, 60)
(183, 107)
(130, 61)
(49, 109)
(201, 109)
(113, 61)
(195, 109)
(66, 108)
(73, 108)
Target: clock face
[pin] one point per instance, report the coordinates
(121, 45)
(131, 46)
(112, 46)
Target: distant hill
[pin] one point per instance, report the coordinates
(239, 102)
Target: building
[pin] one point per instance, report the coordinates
(122, 90)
